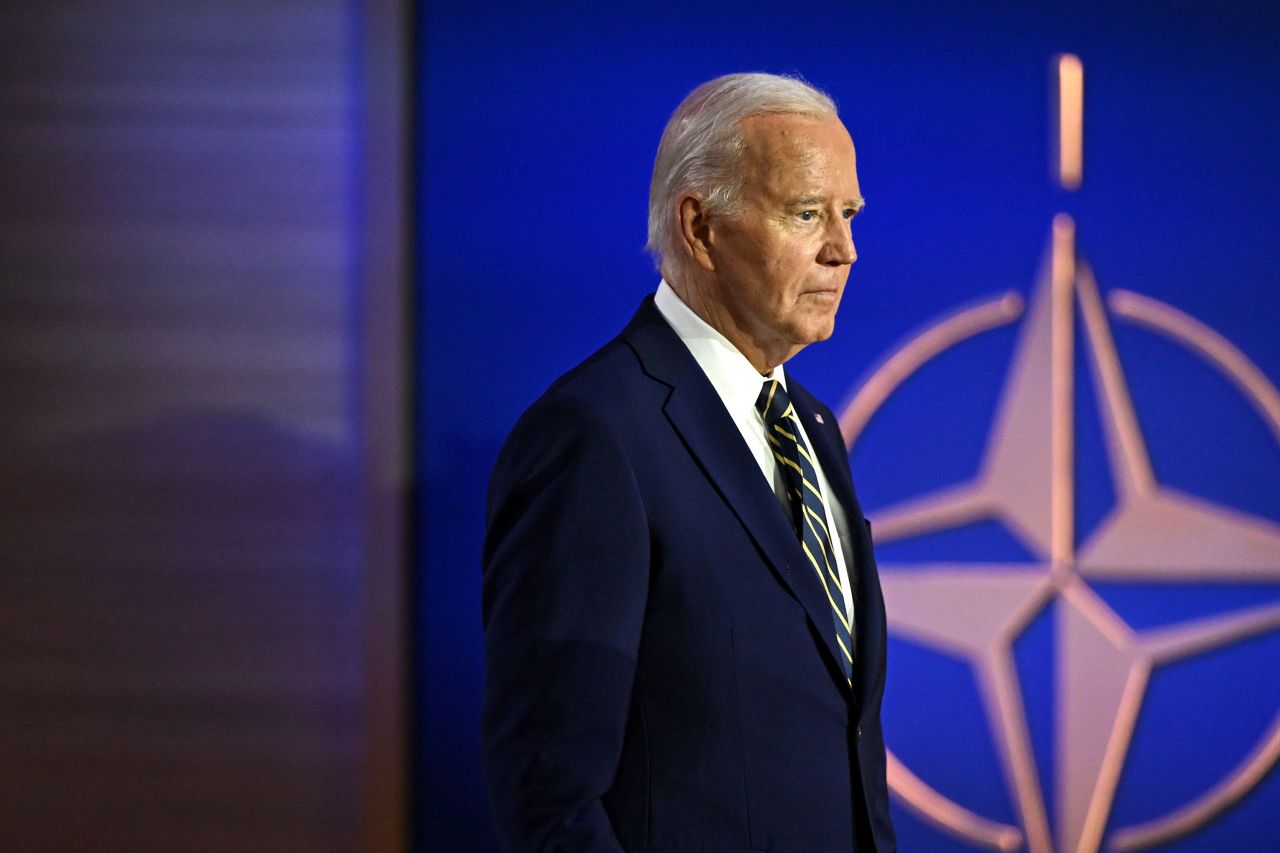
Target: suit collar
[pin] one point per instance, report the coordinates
(659, 349)
(698, 415)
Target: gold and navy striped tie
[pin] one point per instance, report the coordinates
(809, 516)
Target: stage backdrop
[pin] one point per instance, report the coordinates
(1072, 467)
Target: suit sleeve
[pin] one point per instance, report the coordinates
(566, 565)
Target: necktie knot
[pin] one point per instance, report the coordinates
(773, 404)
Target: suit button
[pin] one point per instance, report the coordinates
(857, 734)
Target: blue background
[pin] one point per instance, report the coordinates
(537, 130)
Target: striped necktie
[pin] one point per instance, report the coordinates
(808, 512)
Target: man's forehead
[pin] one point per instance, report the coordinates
(790, 128)
(785, 147)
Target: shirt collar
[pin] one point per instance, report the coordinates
(734, 378)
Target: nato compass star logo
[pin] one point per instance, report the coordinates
(1153, 534)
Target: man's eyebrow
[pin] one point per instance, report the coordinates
(856, 203)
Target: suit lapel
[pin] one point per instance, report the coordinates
(698, 415)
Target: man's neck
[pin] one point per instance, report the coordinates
(714, 314)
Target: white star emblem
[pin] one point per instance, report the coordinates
(1154, 534)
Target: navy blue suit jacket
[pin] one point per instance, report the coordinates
(662, 671)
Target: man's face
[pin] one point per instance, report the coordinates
(780, 267)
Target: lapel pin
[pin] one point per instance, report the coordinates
(817, 417)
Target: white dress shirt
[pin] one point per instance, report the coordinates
(738, 384)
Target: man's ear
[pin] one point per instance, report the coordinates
(695, 231)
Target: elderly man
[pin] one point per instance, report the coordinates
(684, 628)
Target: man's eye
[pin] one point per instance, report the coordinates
(807, 215)
(849, 212)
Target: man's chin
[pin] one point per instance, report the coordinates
(821, 327)
(815, 334)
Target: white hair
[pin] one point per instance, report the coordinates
(702, 145)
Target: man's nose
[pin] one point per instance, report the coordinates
(838, 250)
